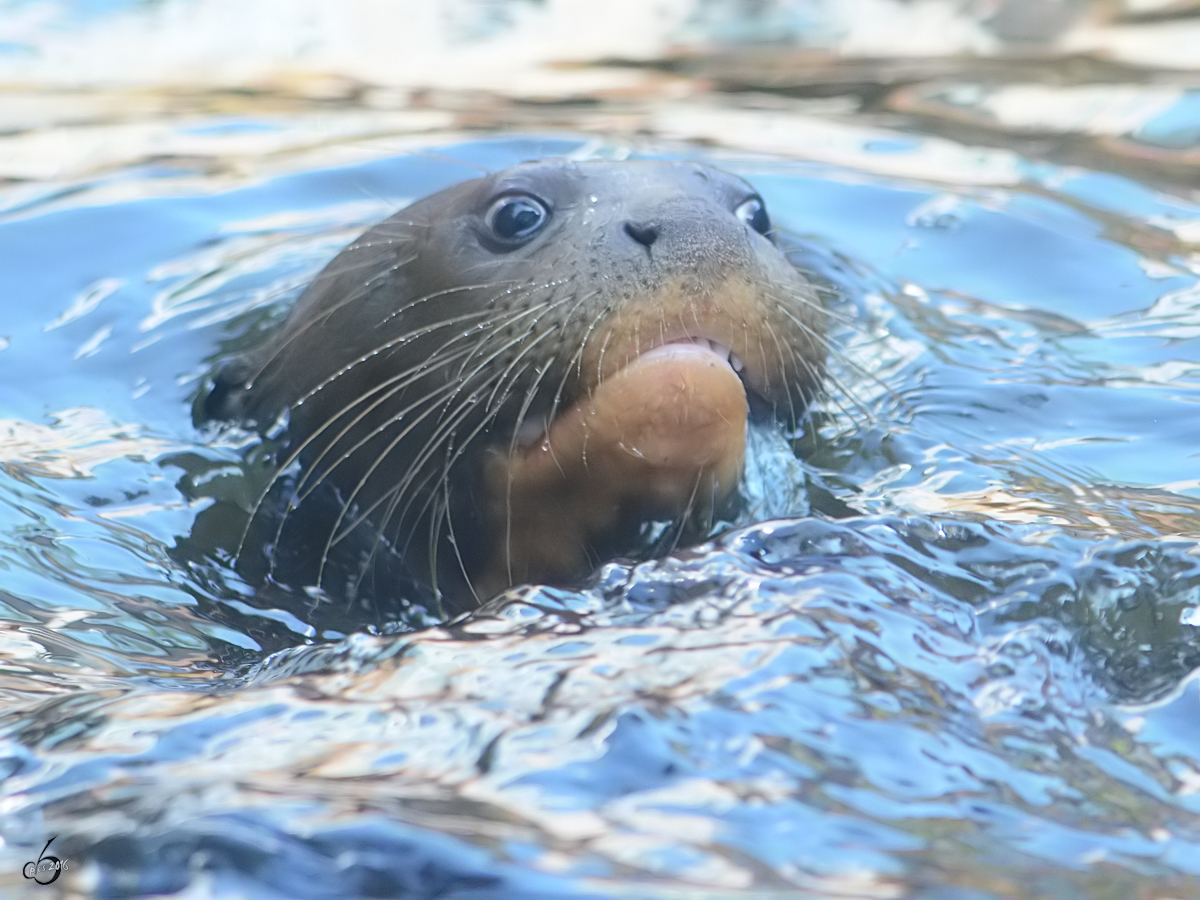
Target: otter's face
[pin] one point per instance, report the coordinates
(632, 255)
(523, 369)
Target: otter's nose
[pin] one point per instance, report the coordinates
(645, 233)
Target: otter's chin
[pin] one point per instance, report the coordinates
(664, 437)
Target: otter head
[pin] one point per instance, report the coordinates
(507, 380)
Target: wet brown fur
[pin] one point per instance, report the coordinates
(425, 345)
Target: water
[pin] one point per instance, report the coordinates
(951, 655)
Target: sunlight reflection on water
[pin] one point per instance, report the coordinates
(961, 668)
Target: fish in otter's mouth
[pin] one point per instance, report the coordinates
(506, 381)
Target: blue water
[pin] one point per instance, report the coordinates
(965, 671)
(949, 652)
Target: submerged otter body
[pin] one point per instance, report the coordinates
(506, 381)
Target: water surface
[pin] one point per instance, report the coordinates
(949, 653)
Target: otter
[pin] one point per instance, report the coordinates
(511, 379)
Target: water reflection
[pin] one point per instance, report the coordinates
(956, 662)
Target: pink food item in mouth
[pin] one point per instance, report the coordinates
(663, 436)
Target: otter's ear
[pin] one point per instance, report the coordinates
(224, 398)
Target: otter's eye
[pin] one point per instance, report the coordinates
(754, 214)
(516, 218)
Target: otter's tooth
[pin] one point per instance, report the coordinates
(736, 362)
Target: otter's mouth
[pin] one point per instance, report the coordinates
(534, 430)
(661, 436)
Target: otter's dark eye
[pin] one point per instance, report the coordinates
(516, 218)
(754, 214)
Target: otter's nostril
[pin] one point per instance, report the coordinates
(643, 234)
